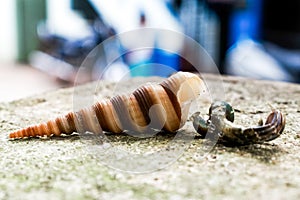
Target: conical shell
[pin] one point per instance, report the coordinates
(162, 106)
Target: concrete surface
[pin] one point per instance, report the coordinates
(64, 168)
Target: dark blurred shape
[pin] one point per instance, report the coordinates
(61, 56)
(281, 33)
(224, 9)
(85, 8)
(281, 23)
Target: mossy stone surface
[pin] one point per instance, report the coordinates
(65, 168)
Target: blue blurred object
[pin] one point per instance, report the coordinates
(249, 56)
(146, 34)
(153, 62)
(245, 23)
(165, 58)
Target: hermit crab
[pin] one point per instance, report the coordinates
(220, 121)
(158, 106)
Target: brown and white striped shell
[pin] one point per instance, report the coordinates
(162, 106)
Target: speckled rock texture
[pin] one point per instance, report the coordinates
(65, 168)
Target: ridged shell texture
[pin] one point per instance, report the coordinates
(162, 106)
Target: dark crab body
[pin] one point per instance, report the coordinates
(220, 121)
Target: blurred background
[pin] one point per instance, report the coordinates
(44, 42)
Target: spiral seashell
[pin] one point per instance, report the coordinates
(162, 106)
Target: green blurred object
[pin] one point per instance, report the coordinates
(29, 14)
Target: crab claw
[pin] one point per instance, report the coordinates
(232, 134)
(221, 107)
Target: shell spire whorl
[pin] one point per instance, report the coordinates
(162, 106)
